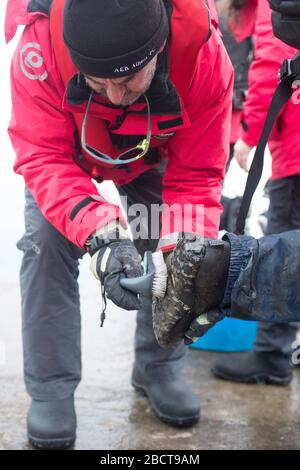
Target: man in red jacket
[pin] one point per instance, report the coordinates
(270, 360)
(138, 92)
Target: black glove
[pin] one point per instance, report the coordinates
(114, 259)
(202, 324)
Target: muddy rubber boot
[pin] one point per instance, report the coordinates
(52, 424)
(254, 367)
(197, 276)
(170, 397)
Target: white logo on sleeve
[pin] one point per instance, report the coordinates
(32, 62)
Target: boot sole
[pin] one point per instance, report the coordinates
(51, 444)
(254, 379)
(176, 422)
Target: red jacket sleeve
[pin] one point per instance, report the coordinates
(43, 137)
(269, 53)
(198, 154)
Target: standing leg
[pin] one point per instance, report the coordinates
(157, 371)
(50, 328)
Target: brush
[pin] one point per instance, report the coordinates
(153, 283)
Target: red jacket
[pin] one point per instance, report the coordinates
(269, 54)
(45, 137)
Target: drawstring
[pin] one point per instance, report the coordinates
(103, 315)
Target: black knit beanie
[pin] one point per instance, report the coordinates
(113, 38)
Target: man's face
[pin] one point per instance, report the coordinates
(126, 90)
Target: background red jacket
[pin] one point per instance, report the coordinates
(269, 53)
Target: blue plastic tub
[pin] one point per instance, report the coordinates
(228, 335)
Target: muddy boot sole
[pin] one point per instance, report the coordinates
(51, 444)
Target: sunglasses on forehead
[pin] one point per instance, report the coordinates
(130, 155)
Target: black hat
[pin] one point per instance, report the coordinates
(113, 38)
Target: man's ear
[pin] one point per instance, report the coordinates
(162, 47)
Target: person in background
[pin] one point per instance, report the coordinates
(241, 55)
(269, 362)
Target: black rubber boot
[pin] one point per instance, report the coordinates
(253, 367)
(52, 424)
(170, 397)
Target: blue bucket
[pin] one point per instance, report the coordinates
(228, 335)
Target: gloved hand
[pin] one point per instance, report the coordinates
(202, 324)
(116, 258)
